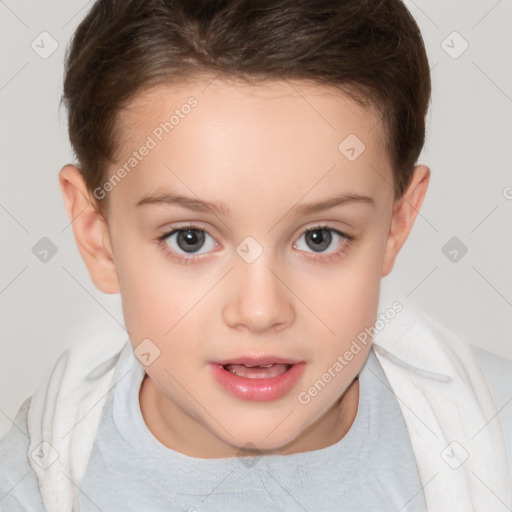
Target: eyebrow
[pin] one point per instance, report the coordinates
(222, 208)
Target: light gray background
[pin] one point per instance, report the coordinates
(46, 307)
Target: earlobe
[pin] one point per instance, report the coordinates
(405, 211)
(90, 229)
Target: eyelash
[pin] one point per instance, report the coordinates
(186, 260)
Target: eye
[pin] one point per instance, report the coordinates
(320, 238)
(186, 240)
(183, 243)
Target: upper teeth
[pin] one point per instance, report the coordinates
(260, 365)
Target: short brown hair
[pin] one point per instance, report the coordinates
(370, 49)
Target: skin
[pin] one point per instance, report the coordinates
(260, 149)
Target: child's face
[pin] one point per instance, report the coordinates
(252, 283)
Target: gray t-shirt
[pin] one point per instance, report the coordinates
(371, 468)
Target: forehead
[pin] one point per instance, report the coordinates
(280, 132)
(263, 103)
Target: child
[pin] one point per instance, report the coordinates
(246, 175)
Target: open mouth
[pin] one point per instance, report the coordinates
(258, 378)
(257, 372)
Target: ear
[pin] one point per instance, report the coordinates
(405, 211)
(90, 229)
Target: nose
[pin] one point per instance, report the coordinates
(258, 298)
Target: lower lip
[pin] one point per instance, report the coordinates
(258, 390)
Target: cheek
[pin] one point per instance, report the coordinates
(158, 304)
(152, 299)
(346, 296)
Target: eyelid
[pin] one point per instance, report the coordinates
(325, 225)
(315, 225)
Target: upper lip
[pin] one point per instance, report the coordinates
(260, 360)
